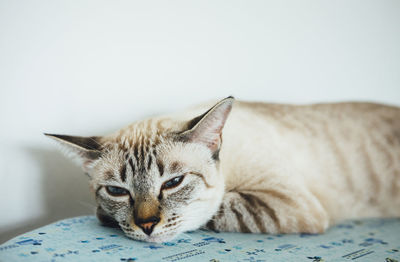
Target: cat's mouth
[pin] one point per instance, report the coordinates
(158, 236)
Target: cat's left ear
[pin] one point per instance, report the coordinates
(82, 149)
(207, 128)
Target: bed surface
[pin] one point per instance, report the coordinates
(83, 239)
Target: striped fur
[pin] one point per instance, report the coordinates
(273, 169)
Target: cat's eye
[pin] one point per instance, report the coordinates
(116, 191)
(174, 182)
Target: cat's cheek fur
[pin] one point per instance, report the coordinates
(204, 204)
(198, 211)
(201, 210)
(194, 215)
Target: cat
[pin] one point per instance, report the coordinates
(245, 167)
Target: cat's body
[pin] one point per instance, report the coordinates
(279, 169)
(344, 159)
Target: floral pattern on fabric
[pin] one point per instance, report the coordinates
(83, 239)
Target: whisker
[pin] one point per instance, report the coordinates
(95, 141)
(87, 204)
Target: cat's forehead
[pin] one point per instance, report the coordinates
(137, 140)
(149, 147)
(155, 129)
(146, 132)
(140, 143)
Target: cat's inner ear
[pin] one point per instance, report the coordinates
(207, 128)
(83, 149)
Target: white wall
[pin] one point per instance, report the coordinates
(90, 67)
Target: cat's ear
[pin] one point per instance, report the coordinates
(82, 149)
(207, 128)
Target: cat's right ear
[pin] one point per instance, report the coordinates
(84, 150)
(207, 128)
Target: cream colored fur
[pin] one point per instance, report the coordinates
(281, 168)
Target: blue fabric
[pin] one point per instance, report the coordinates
(83, 239)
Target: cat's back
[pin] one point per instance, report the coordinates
(352, 121)
(363, 112)
(346, 153)
(348, 120)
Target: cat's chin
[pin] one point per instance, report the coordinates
(161, 239)
(156, 239)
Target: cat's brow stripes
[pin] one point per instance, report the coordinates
(149, 162)
(132, 166)
(122, 173)
(135, 151)
(140, 148)
(141, 158)
(142, 152)
(160, 167)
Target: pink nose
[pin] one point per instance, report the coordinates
(147, 225)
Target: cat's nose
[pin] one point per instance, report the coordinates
(148, 224)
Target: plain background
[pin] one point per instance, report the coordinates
(91, 67)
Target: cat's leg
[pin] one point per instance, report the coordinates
(270, 211)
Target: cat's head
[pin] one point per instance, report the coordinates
(158, 177)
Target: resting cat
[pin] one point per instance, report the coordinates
(273, 169)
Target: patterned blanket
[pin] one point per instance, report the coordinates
(83, 239)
